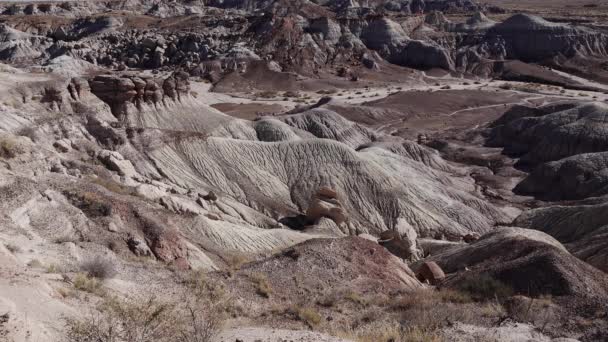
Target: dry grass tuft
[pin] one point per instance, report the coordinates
(431, 310)
(85, 283)
(355, 298)
(390, 332)
(537, 311)
(10, 148)
(483, 287)
(235, 261)
(262, 284)
(113, 186)
(308, 315)
(201, 286)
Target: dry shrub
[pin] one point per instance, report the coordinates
(328, 300)
(262, 284)
(85, 283)
(483, 286)
(92, 204)
(98, 268)
(35, 263)
(113, 186)
(53, 268)
(10, 148)
(236, 260)
(430, 310)
(148, 320)
(200, 286)
(267, 94)
(537, 311)
(13, 248)
(66, 238)
(389, 332)
(355, 297)
(308, 315)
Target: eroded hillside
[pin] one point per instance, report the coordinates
(301, 170)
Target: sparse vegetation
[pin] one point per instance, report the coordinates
(538, 311)
(267, 94)
(263, 287)
(291, 94)
(201, 286)
(481, 287)
(113, 186)
(66, 238)
(12, 248)
(390, 333)
(308, 315)
(52, 268)
(85, 283)
(10, 148)
(144, 321)
(526, 88)
(91, 203)
(235, 261)
(35, 263)
(98, 268)
(326, 92)
(355, 297)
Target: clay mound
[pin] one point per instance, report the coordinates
(281, 177)
(257, 77)
(572, 178)
(322, 264)
(583, 228)
(531, 262)
(519, 71)
(526, 23)
(384, 34)
(475, 23)
(424, 55)
(532, 39)
(326, 124)
(479, 18)
(552, 133)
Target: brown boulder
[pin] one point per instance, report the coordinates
(325, 204)
(431, 272)
(471, 237)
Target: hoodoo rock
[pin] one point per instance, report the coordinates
(325, 203)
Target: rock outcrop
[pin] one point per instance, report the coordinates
(122, 92)
(325, 203)
(553, 132)
(583, 228)
(529, 261)
(573, 178)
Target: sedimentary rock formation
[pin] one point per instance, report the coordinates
(552, 132)
(577, 177)
(582, 228)
(529, 261)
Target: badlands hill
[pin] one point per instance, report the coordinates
(301, 170)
